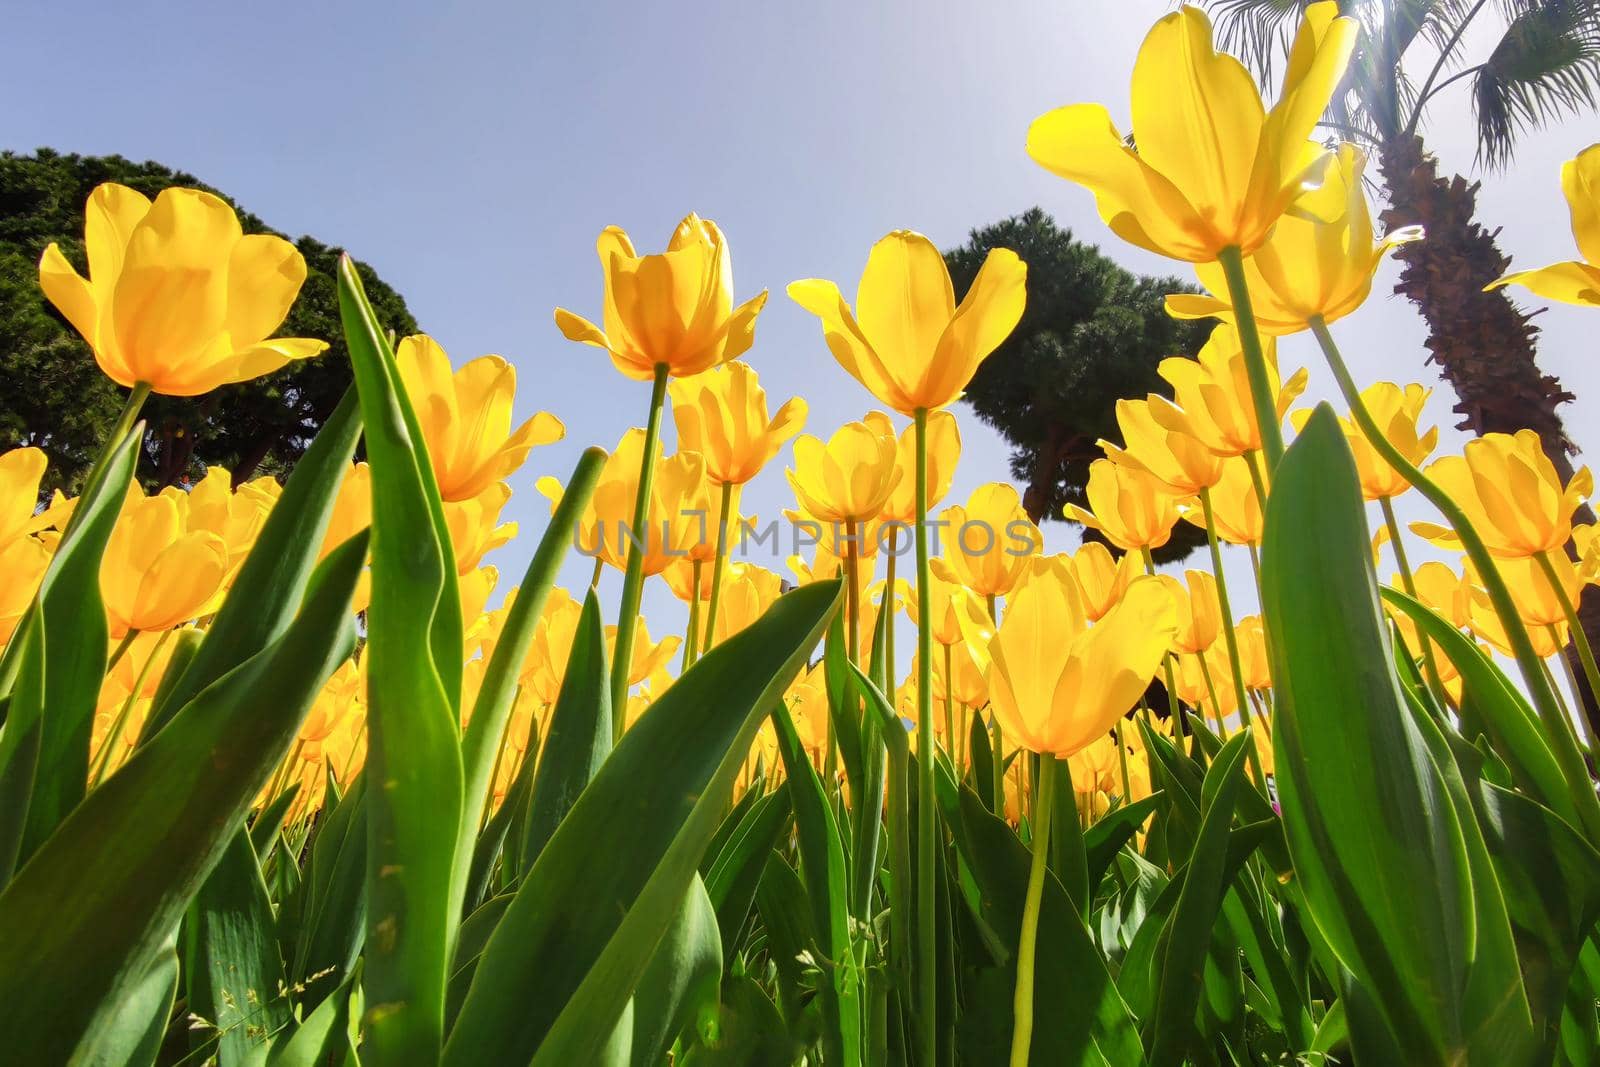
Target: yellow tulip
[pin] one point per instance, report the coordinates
(1175, 457)
(1236, 512)
(807, 701)
(944, 450)
(1536, 601)
(1101, 580)
(992, 542)
(1212, 393)
(1199, 611)
(1056, 697)
(1577, 281)
(475, 527)
(1308, 267)
(1251, 634)
(1396, 411)
(1094, 767)
(1548, 640)
(1213, 168)
(907, 341)
(474, 588)
(1202, 681)
(23, 561)
(646, 656)
(722, 414)
(20, 472)
(968, 684)
(352, 508)
(156, 572)
(1131, 507)
(848, 479)
(553, 635)
(950, 608)
(746, 596)
(1510, 491)
(465, 417)
(178, 297)
(1448, 594)
(234, 514)
(678, 519)
(673, 309)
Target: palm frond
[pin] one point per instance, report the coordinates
(1259, 32)
(1547, 64)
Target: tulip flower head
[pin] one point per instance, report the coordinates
(1308, 267)
(1212, 393)
(1577, 281)
(722, 414)
(158, 573)
(1179, 460)
(20, 472)
(475, 527)
(849, 479)
(1510, 490)
(178, 297)
(673, 309)
(991, 542)
(906, 340)
(466, 417)
(1057, 697)
(1397, 411)
(1100, 579)
(1237, 516)
(1131, 507)
(1214, 168)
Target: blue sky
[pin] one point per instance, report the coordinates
(471, 153)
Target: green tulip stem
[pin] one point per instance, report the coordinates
(1122, 758)
(1229, 636)
(1430, 667)
(1027, 943)
(633, 578)
(1566, 672)
(1591, 672)
(887, 609)
(927, 828)
(950, 712)
(1558, 727)
(1262, 395)
(718, 564)
(997, 753)
(691, 640)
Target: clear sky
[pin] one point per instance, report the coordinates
(472, 152)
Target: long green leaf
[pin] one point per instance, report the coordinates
(44, 748)
(1367, 811)
(579, 736)
(71, 947)
(415, 803)
(681, 981)
(272, 581)
(565, 959)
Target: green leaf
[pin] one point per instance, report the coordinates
(322, 1038)
(1103, 840)
(681, 982)
(44, 749)
(578, 739)
(1190, 929)
(564, 961)
(333, 919)
(734, 876)
(415, 879)
(1499, 707)
(483, 737)
(231, 964)
(132, 1034)
(1367, 811)
(1080, 1011)
(272, 581)
(822, 865)
(153, 831)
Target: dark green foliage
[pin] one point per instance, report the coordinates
(52, 394)
(1092, 334)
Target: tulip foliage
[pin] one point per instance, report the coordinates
(283, 782)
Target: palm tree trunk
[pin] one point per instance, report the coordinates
(1483, 344)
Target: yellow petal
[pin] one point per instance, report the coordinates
(1570, 283)
(904, 301)
(265, 273)
(987, 315)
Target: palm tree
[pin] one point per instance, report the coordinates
(1544, 63)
